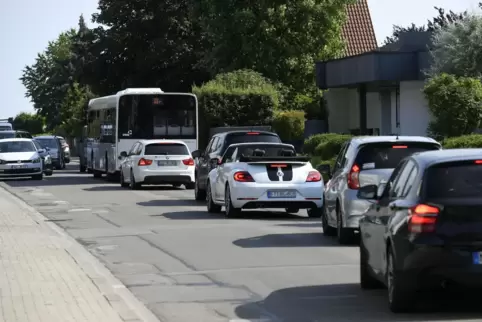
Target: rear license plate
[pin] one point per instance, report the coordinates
(167, 163)
(19, 166)
(477, 258)
(282, 194)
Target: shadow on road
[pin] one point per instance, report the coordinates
(190, 215)
(105, 188)
(286, 240)
(54, 180)
(168, 203)
(310, 224)
(201, 215)
(346, 302)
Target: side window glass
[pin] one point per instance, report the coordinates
(227, 158)
(397, 188)
(213, 146)
(344, 156)
(410, 182)
(134, 147)
(340, 157)
(139, 149)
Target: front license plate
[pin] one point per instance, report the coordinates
(19, 166)
(477, 258)
(167, 163)
(282, 194)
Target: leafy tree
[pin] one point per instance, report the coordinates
(30, 122)
(457, 49)
(455, 104)
(73, 110)
(279, 39)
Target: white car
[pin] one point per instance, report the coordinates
(20, 158)
(264, 175)
(157, 162)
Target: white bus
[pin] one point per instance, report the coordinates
(116, 122)
(5, 125)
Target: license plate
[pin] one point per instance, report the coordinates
(282, 194)
(19, 166)
(166, 163)
(477, 258)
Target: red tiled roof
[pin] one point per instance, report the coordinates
(358, 31)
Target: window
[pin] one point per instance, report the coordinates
(17, 146)
(410, 182)
(453, 180)
(107, 125)
(341, 158)
(246, 137)
(214, 145)
(166, 149)
(37, 145)
(133, 149)
(400, 182)
(50, 143)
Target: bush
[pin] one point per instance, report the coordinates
(315, 140)
(329, 149)
(290, 125)
(455, 103)
(465, 141)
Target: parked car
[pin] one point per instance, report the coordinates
(363, 161)
(215, 150)
(15, 134)
(20, 158)
(157, 162)
(55, 149)
(264, 175)
(425, 229)
(47, 165)
(66, 148)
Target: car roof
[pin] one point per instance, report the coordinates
(16, 140)
(392, 138)
(429, 158)
(45, 137)
(162, 141)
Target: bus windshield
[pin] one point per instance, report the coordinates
(170, 116)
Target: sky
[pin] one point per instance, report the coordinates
(26, 26)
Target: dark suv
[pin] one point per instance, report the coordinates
(54, 145)
(215, 150)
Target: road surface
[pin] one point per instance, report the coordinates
(188, 265)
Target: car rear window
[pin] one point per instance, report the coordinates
(387, 155)
(166, 149)
(251, 137)
(454, 180)
(7, 135)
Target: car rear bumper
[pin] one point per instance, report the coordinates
(255, 195)
(147, 176)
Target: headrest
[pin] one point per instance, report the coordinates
(258, 153)
(287, 153)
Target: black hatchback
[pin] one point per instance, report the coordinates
(424, 228)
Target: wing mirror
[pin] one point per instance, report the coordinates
(41, 151)
(367, 192)
(122, 155)
(196, 154)
(324, 169)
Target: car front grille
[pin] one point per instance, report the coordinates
(18, 161)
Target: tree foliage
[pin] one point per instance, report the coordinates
(30, 122)
(455, 104)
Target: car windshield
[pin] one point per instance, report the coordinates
(7, 135)
(387, 155)
(16, 146)
(454, 180)
(166, 149)
(48, 143)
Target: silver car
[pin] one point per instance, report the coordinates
(363, 161)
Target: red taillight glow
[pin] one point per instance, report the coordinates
(478, 161)
(243, 176)
(144, 162)
(278, 165)
(252, 133)
(188, 161)
(353, 177)
(313, 176)
(399, 147)
(423, 219)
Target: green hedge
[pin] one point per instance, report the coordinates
(290, 125)
(329, 149)
(465, 141)
(327, 140)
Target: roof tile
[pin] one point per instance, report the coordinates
(358, 31)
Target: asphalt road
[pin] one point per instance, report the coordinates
(188, 265)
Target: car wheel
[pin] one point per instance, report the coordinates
(327, 229)
(400, 298)
(48, 173)
(123, 183)
(212, 207)
(190, 186)
(367, 281)
(97, 173)
(133, 184)
(292, 210)
(229, 209)
(315, 212)
(62, 163)
(199, 194)
(38, 177)
(345, 235)
(82, 168)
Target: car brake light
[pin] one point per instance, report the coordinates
(188, 161)
(353, 177)
(422, 219)
(278, 165)
(243, 176)
(252, 133)
(144, 162)
(399, 147)
(478, 161)
(313, 176)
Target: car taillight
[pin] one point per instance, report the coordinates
(313, 176)
(422, 219)
(353, 177)
(243, 176)
(144, 162)
(188, 161)
(252, 133)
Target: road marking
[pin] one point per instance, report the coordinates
(79, 210)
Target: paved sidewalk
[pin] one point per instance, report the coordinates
(39, 278)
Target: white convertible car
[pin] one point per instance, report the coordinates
(264, 175)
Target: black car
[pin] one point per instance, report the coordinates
(15, 134)
(54, 145)
(46, 158)
(424, 228)
(215, 150)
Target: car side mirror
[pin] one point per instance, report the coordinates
(47, 149)
(41, 151)
(367, 192)
(324, 169)
(215, 162)
(196, 154)
(122, 155)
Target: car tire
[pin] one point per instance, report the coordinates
(367, 281)
(133, 184)
(123, 183)
(229, 209)
(212, 207)
(38, 177)
(97, 173)
(292, 210)
(199, 194)
(190, 185)
(315, 212)
(400, 298)
(82, 168)
(345, 235)
(327, 229)
(48, 173)
(62, 163)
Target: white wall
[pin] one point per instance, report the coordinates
(414, 112)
